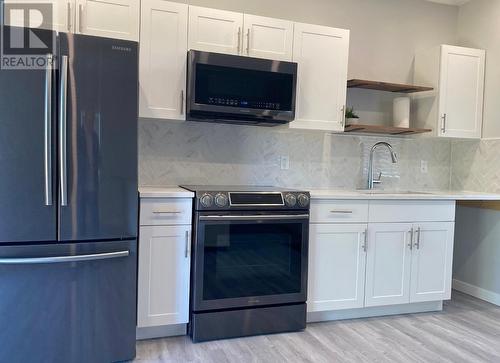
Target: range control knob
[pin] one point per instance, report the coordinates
(290, 200)
(221, 200)
(206, 200)
(303, 200)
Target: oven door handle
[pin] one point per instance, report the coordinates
(253, 217)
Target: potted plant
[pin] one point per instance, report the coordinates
(351, 116)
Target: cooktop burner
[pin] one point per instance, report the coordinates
(224, 197)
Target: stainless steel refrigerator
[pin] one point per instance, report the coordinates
(68, 205)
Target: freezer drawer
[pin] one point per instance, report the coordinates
(68, 303)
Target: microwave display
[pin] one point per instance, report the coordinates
(243, 88)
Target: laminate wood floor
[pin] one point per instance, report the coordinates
(467, 330)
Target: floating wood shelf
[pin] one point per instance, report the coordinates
(387, 130)
(384, 86)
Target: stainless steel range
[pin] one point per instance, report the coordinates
(249, 271)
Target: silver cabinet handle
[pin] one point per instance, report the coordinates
(165, 212)
(80, 18)
(341, 211)
(62, 259)
(239, 39)
(254, 217)
(342, 119)
(68, 16)
(248, 41)
(410, 244)
(48, 131)
(63, 110)
(182, 102)
(443, 128)
(365, 245)
(417, 244)
(186, 249)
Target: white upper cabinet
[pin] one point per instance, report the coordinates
(431, 267)
(267, 38)
(388, 265)
(117, 19)
(322, 56)
(214, 30)
(337, 257)
(455, 108)
(162, 59)
(63, 15)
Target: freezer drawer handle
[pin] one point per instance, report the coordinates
(62, 130)
(62, 259)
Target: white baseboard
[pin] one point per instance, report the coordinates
(161, 331)
(423, 307)
(480, 293)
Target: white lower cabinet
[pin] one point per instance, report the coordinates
(336, 266)
(390, 259)
(432, 260)
(388, 264)
(164, 270)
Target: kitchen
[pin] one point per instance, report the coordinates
(438, 184)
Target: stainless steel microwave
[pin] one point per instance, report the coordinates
(242, 90)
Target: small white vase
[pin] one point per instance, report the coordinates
(401, 112)
(352, 121)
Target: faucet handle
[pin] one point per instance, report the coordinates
(378, 179)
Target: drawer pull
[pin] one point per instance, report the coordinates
(165, 212)
(339, 211)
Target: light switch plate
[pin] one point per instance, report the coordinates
(284, 162)
(424, 166)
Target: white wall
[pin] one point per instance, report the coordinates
(479, 27)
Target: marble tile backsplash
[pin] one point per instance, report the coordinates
(196, 153)
(476, 165)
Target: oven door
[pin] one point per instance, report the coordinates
(249, 259)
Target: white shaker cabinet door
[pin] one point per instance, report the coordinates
(431, 268)
(337, 257)
(213, 30)
(162, 59)
(164, 270)
(267, 38)
(117, 19)
(461, 92)
(62, 18)
(322, 55)
(388, 264)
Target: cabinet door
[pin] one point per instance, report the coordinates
(117, 19)
(337, 260)
(213, 30)
(388, 264)
(163, 282)
(162, 59)
(63, 15)
(431, 266)
(322, 55)
(461, 92)
(268, 37)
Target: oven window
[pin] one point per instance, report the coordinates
(243, 88)
(242, 260)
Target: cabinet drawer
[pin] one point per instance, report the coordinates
(387, 211)
(339, 211)
(161, 211)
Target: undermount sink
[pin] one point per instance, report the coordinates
(408, 192)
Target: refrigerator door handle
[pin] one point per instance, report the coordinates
(63, 93)
(62, 259)
(48, 131)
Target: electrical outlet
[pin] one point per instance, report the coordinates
(424, 166)
(285, 162)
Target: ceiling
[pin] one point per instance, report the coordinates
(450, 2)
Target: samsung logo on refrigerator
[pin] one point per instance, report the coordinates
(121, 49)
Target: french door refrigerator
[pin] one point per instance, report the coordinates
(68, 205)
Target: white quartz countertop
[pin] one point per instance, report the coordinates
(165, 192)
(381, 195)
